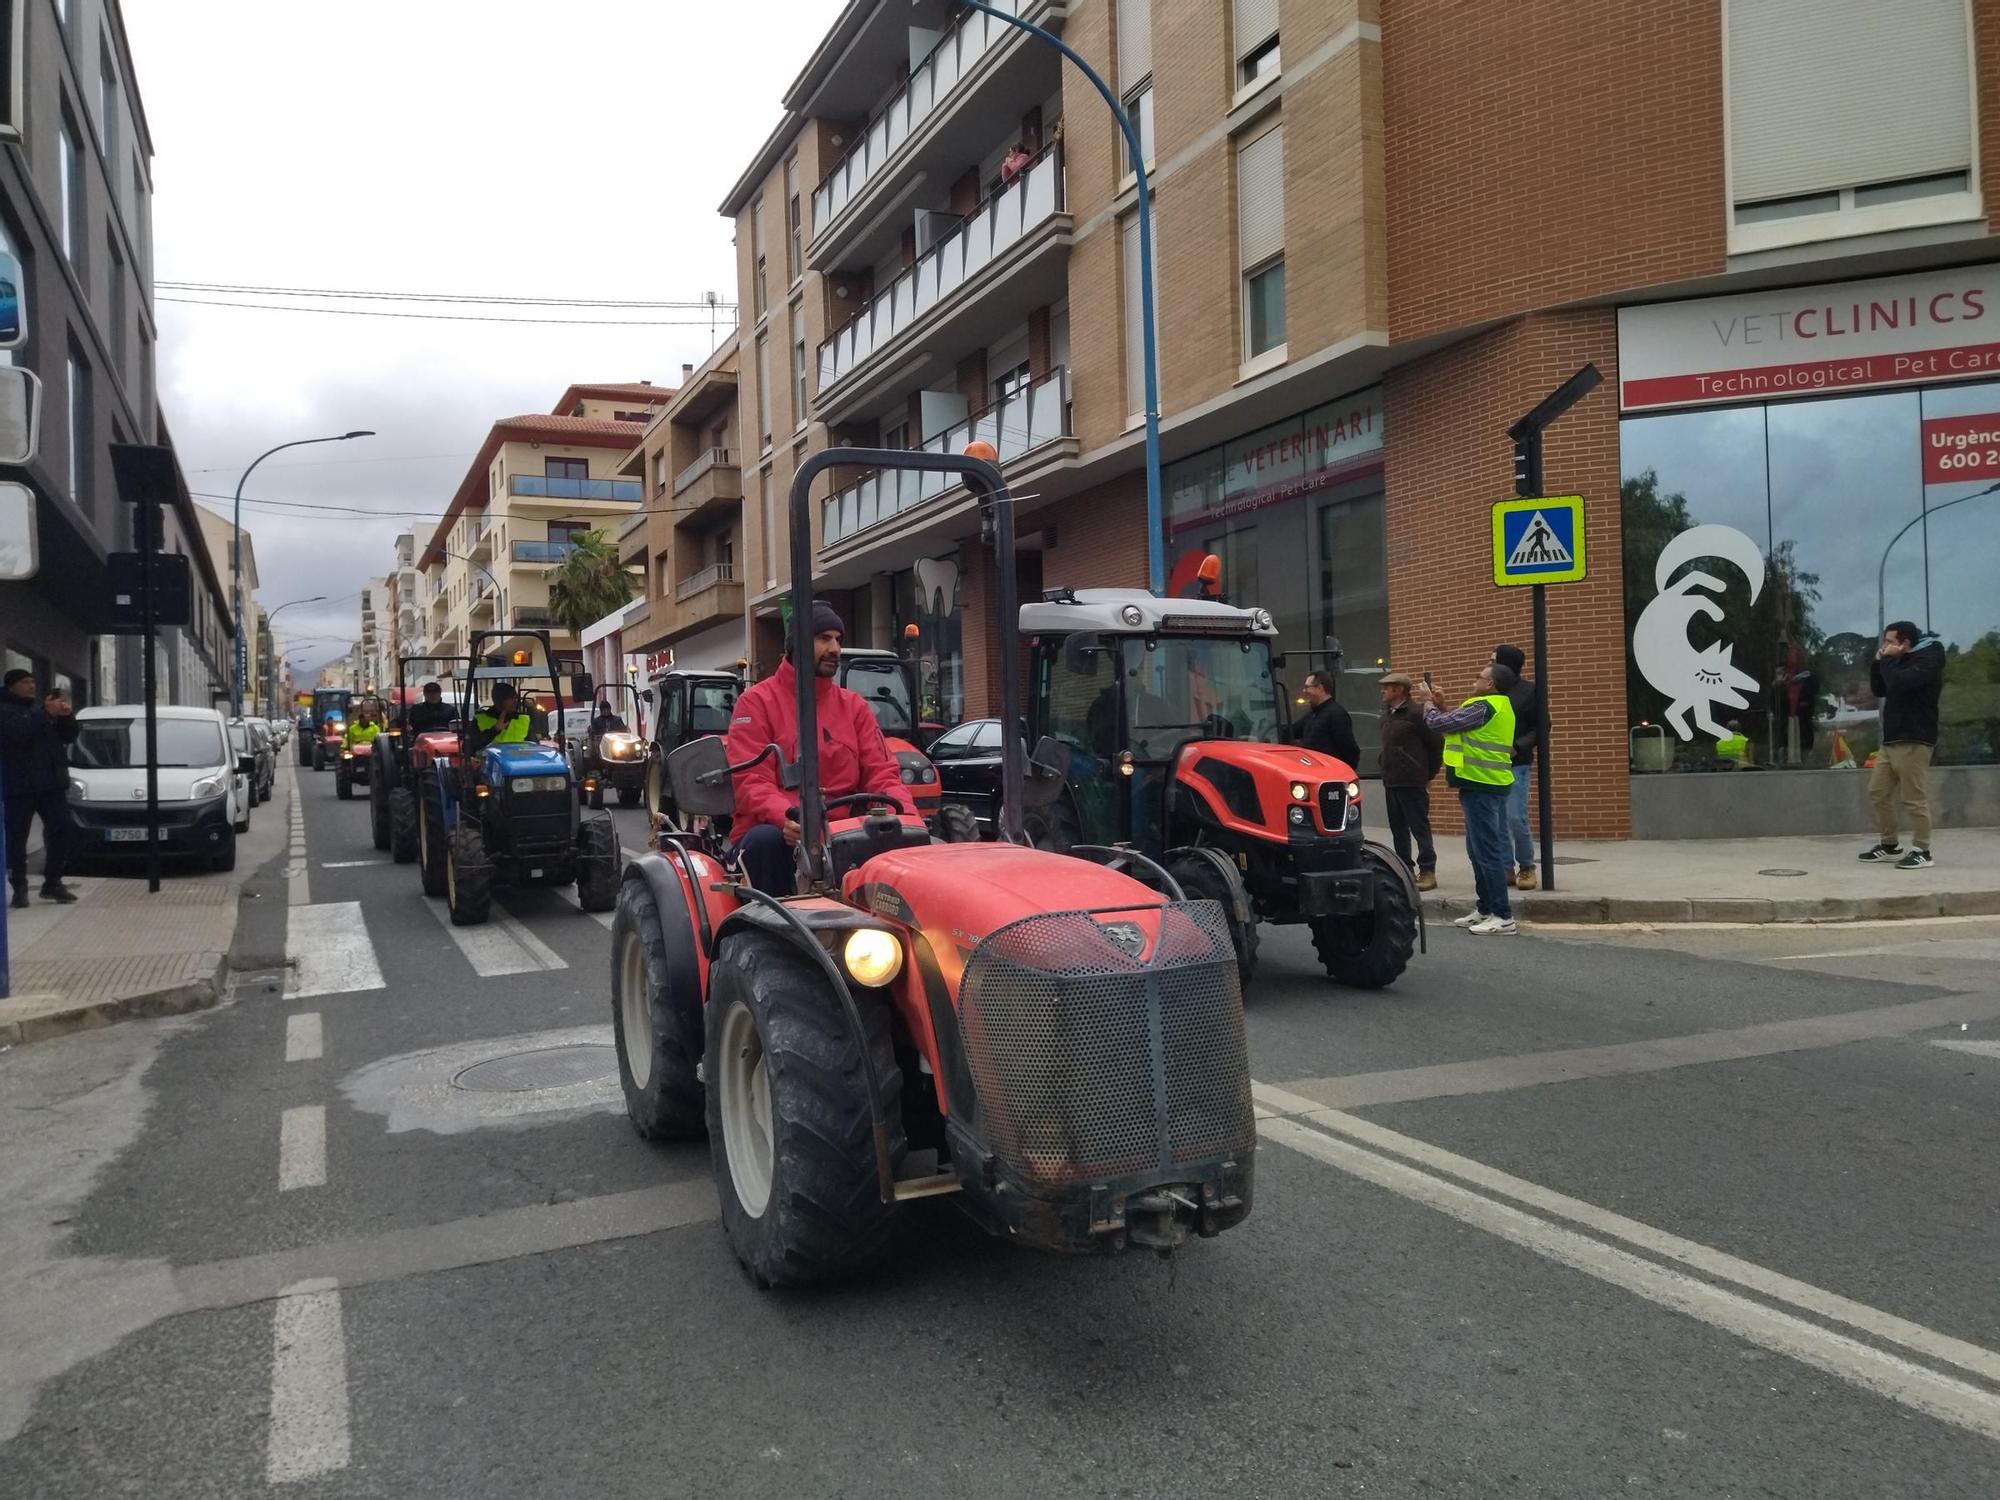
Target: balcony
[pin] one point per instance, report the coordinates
(541, 552)
(479, 539)
(483, 602)
(1017, 425)
(711, 485)
(531, 619)
(995, 244)
(549, 487)
(975, 51)
(704, 598)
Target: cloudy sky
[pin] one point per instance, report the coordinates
(500, 148)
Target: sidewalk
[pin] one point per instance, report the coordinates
(1742, 880)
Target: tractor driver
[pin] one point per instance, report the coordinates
(853, 756)
(507, 722)
(431, 714)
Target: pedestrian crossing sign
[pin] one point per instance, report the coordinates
(1538, 540)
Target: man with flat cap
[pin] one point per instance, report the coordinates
(1411, 754)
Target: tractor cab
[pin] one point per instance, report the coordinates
(687, 706)
(1166, 723)
(330, 708)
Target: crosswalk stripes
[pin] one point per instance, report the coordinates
(329, 951)
(568, 893)
(501, 945)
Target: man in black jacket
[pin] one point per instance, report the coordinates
(1411, 754)
(1908, 676)
(1326, 726)
(1527, 734)
(35, 734)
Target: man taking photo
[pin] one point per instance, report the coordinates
(853, 756)
(35, 735)
(1908, 676)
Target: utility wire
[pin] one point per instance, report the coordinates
(365, 312)
(308, 291)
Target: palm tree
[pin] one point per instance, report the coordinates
(588, 584)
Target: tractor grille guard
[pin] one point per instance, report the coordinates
(1094, 1061)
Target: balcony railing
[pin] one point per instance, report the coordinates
(711, 458)
(930, 83)
(549, 487)
(1001, 221)
(706, 579)
(532, 619)
(542, 552)
(1015, 425)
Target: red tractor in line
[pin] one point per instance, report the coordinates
(1051, 1043)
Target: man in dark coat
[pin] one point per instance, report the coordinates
(1411, 754)
(1908, 676)
(35, 735)
(1326, 726)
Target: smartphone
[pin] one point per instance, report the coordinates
(1428, 683)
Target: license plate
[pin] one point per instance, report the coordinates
(125, 835)
(534, 874)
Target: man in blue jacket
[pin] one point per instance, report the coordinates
(1908, 676)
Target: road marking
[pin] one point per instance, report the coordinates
(329, 950)
(304, 1039)
(302, 1147)
(309, 1424)
(569, 894)
(502, 945)
(1498, 1074)
(1967, 948)
(349, 864)
(1977, 1049)
(1916, 1386)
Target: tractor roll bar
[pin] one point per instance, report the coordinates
(983, 479)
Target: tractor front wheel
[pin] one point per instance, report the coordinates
(404, 829)
(1204, 882)
(658, 1031)
(596, 865)
(1053, 828)
(378, 815)
(431, 841)
(628, 796)
(343, 784)
(788, 1117)
(1371, 949)
(468, 876)
(957, 824)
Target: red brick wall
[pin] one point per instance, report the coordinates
(1446, 460)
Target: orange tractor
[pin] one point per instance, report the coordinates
(1054, 1045)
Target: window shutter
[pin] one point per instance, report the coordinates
(1260, 197)
(1135, 42)
(1827, 94)
(1256, 24)
(1135, 342)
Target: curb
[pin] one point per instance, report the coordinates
(1736, 909)
(199, 993)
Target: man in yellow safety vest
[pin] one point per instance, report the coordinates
(507, 722)
(1479, 763)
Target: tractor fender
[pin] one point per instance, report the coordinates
(687, 963)
(802, 923)
(1239, 897)
(1394, 867)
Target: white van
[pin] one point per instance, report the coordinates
(204, 786)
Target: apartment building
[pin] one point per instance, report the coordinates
(218, 539)
(537, 482)
(1383, 233)
(75, 212)
(687, 540)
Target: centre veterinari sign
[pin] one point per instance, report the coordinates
(1855, 335)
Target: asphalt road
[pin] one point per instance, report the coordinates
(1701, 1213)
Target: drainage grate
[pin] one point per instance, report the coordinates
(1781, 872)
(543, 1068)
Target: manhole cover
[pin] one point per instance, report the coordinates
(1781, 872)
(544, 1068)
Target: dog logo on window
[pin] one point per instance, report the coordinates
(1696, 680)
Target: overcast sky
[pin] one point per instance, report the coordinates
(504, 147)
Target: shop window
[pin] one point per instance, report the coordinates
(1847, 117)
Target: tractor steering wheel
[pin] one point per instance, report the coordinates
(830, 803)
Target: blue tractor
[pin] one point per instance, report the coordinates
(506, 804)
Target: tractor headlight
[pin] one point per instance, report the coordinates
(347, 755)
(873, 957)
(1301, 792)
(1261, 618)
(1353, 791)
(1132, 615)
(616, 746)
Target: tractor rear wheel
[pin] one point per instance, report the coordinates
(1204, 882)
(628, 796)
(468, 876)
(378, 814)
(431, 841)
(1371, 949)
(1053, 828)
(957, 824)
(596, 865)
(788, 1117)
(657, 1028)
(404, 830)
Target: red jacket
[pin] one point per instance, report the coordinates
(852, 754)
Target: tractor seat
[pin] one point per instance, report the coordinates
(878, 833)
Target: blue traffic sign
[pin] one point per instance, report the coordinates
(1538, 540)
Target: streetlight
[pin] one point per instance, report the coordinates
(1882, 568)
(236, 560)
(1156, 566)
(271, 686)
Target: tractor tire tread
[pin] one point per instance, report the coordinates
(597, 865)
(1380, 961)
(958, 824)
(673, 1106)
(1202, 882)
(434, 834)
(472, 874)
(403, 814)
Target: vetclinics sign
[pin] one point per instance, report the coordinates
(1854, 335)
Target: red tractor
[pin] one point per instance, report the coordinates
(405, 753)
(1166, 722)
(1056, 1046)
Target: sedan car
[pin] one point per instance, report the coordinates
(968, 766)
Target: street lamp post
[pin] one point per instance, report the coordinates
(1882, 568)
(1156, 566)
(271, 687)
(239, 663)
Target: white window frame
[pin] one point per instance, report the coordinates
(1850, 221)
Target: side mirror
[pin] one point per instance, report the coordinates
(1080, 652)
(646, 697)
(246, 765)
(1047, 773)
(580, 686)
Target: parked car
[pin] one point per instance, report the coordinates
(203, 784)
(241, 745)
(265, 748)
(968, 766)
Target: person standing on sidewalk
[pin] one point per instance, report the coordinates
(1908, 676)
(1325, 726)
(1411, 753)
(1527, 735)
(1478, 762)
(34, 739)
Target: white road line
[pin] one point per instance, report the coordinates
(568, 893)
(329, 950)
(349, 864)
(1922, 1389)
(304, 1037)
(501, 946)
(1977, 1049)
(309, 1426)
(302, 1147)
